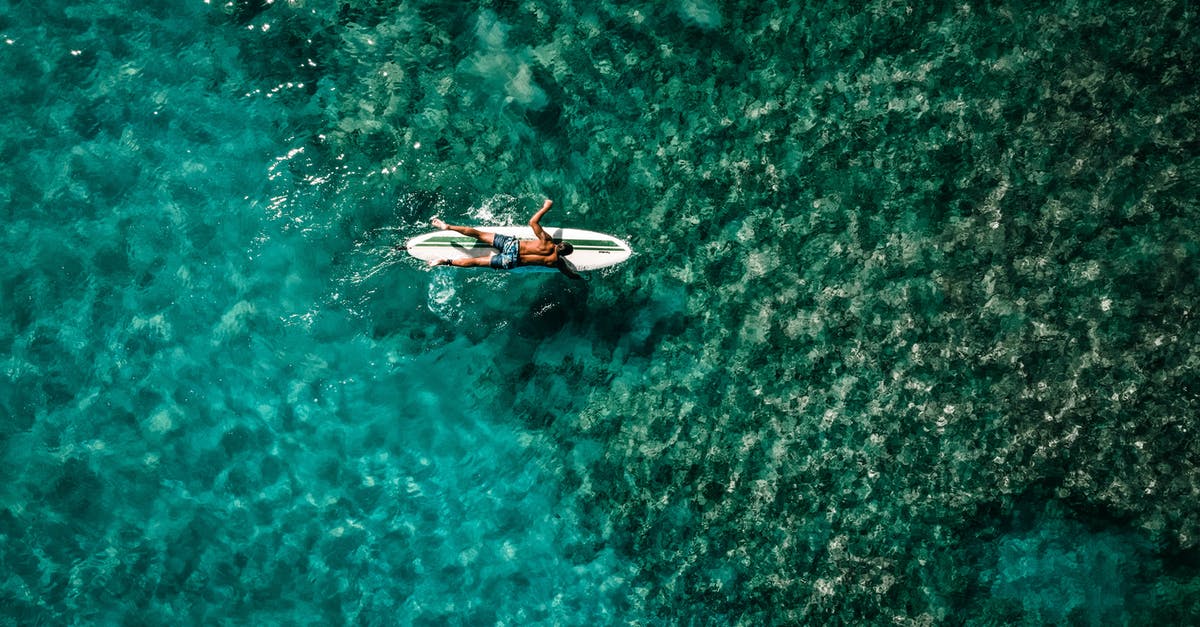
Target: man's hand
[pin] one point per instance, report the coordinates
(533, 222)
(541, 212)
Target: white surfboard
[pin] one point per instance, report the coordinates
(592, 250)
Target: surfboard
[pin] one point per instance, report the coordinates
(593, 250)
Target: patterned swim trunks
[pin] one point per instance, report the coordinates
(509, 248)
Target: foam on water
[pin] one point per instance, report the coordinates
(907, 337)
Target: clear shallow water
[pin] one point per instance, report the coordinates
(909, 337)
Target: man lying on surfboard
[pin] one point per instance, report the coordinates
(543, 251)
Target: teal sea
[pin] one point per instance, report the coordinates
(909, 336)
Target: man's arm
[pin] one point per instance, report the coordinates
(562, 267)
(533, 222)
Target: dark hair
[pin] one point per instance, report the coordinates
(566, 249)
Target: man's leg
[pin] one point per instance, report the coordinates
(483, 236)
(467, 262)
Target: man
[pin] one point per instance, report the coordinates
(543, 251)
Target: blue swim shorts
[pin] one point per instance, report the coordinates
(509, 246)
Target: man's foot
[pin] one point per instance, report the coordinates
(439, 223)
(439, 262)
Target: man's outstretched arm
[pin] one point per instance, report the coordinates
(534, 221)
(562, 267)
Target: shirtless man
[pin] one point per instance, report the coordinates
(543, 251)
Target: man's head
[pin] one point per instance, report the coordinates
(564, 248)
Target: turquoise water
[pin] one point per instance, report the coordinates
(908, 338)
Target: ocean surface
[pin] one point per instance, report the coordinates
(909, 337)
